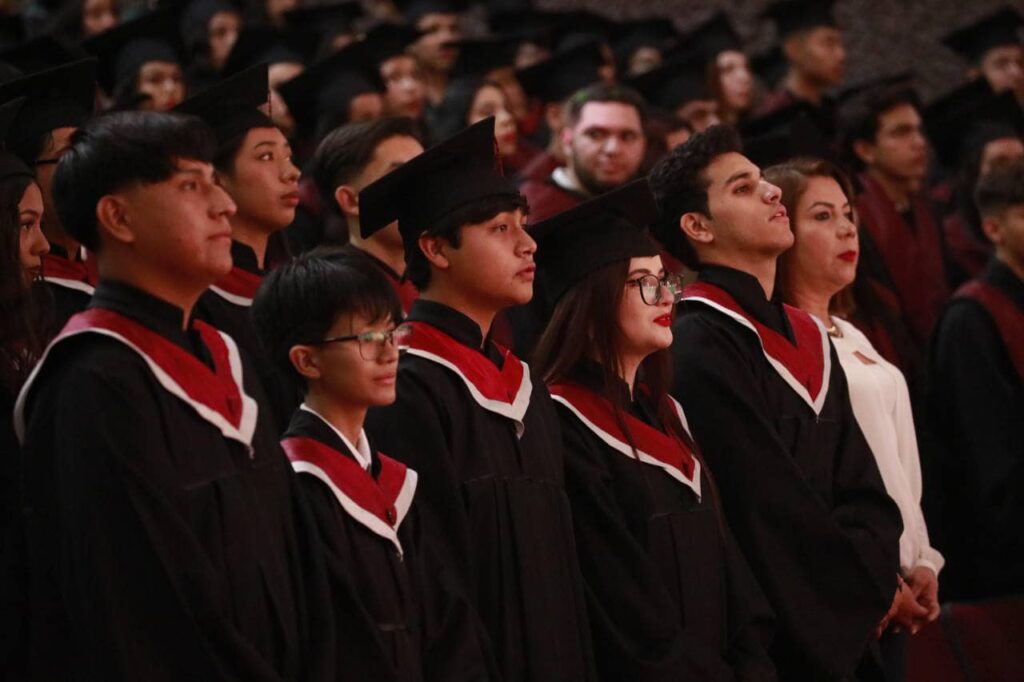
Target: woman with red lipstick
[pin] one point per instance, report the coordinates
(669, 595)
(812, 276)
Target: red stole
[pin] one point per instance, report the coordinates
(238, 286)
(653, 447)
(79, 275)
(912, 254)
(406, 291)
(806, 367)
(1008, 318)
(504, 391)
(217, 396)
(379, 504)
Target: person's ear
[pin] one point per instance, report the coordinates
(305, 361)
(865, 151)
(113, 217)
(347, 199)
(435, 249)
(992, 228)
(696, 228)
(793, 48)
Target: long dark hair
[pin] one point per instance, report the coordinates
(23, 308)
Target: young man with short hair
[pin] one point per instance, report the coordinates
(975, 401)
(353, 157)
(992, 49)
(768, 402)
(168, 538)
(480, 430)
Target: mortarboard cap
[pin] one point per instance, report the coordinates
(562, 74)
(414, 10)
(125, 48)
(455, 173)
(264, 45)
(12, 30)
(609, 228)
(769, 66)
(10, 165)
(527, 25)
(330, 17)
(387, 40)
(231, 107)
(794, 16)
(40, 53)
(784, 134)
(581, 26)
(195, 20)
(962, 122)
(480, 56)
(674, 84)
(900, 79)
(630, 36)
(994, 30)
(712, 37)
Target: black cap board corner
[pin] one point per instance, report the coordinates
(795, 16)
(563, 73)
(125, 48)
(231, 107)
(994, 30)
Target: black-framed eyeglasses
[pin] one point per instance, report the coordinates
(47, 162)
(651, 287)
(371, 344)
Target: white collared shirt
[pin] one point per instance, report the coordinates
(361, 450)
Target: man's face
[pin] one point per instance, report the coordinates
(701, 114)
(748, 220)
(606, 146)
(440, 29)
(899, 149)
(179, 227)
(389, 155)
(1007, 233)
(998, 152)
(819, 55)
(46, 165)
(1003, 68)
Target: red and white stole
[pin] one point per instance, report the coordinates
(653, 446)
(217, 395)
(238, 286)
(504, 391)
(1008, 318)
(806, 367)
(79, 275)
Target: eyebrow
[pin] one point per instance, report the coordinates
(827, 204)
(742, 175)
(29, 210)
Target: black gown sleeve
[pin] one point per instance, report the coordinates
(828, 572)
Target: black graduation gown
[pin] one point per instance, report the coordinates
(799, 485)
(167, 539)
(13, 573)
(70, 284)
(371, 531)
(974, 484)
(668, 593)
(225, 305)
(494, 500)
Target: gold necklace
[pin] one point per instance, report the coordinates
(834, 331)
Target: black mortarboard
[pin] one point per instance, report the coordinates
(10, 165)
(230, 107)
(711, 38)
(42, 52)
(455, 173)
(330, 17)
(784, 134)
(674, 84)
(769, 66)
(630, 36)
(961, 122)
(124, 49)
(12, 30)
(480, 56)
(994, 30)
(581, 26)
(388, 40)
(414, 10)
(900, 79)
(598, 232)
(62, 97)
(558, 77)
(264, 45)
(525, 25)
(327, 87)
(794, 16)
(195, 20)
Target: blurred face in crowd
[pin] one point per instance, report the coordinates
(222, 31)
(98, 16)
(1006, 231)
(998, 152)
(514, 93)
(735, 80)
(490, 100)
(164, 83)
(824, 254)
(606, 146)
(279, 73)
(441, 28)
(32, 245)
(404, 90)
(58, 142)
(645, 328)
(263, 182)
(746, 221)
(818, 54)
(899, 151)
(366, 107)
(644, 59)
(1003, 68)
(277, 8)
(701, 114)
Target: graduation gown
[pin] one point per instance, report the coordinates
(13, 574)
(373, 539)
(668, 593)
(824, 115)
(768, 402)
(974, 484)
(485, 440)
(547, 198)
(167, 539)
(71, 283)
(225, 305)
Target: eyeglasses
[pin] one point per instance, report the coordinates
(371, 344)
(651, 287)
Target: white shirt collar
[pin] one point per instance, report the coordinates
(361, 449)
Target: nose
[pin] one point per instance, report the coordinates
(40, 246)
(772, 193)
(221, 203)
(527, 246)
(291, 171)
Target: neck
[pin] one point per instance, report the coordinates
(763, 269)
(1015, 264)
(810, 301)
(167, 287)
(898, 190)
(394, 258)
(482, 314)
(347, 419)
(436, 82)
(252, 235)
(803, 87)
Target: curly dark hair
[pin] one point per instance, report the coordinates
(680, 186)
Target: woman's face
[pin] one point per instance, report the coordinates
(405, 92)
(646, 328)
(32, 245)
(735, 80)
(490, 101)
(264, 182)
(221, 34)
(164, 83)
(98, 16)
(823, 259)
